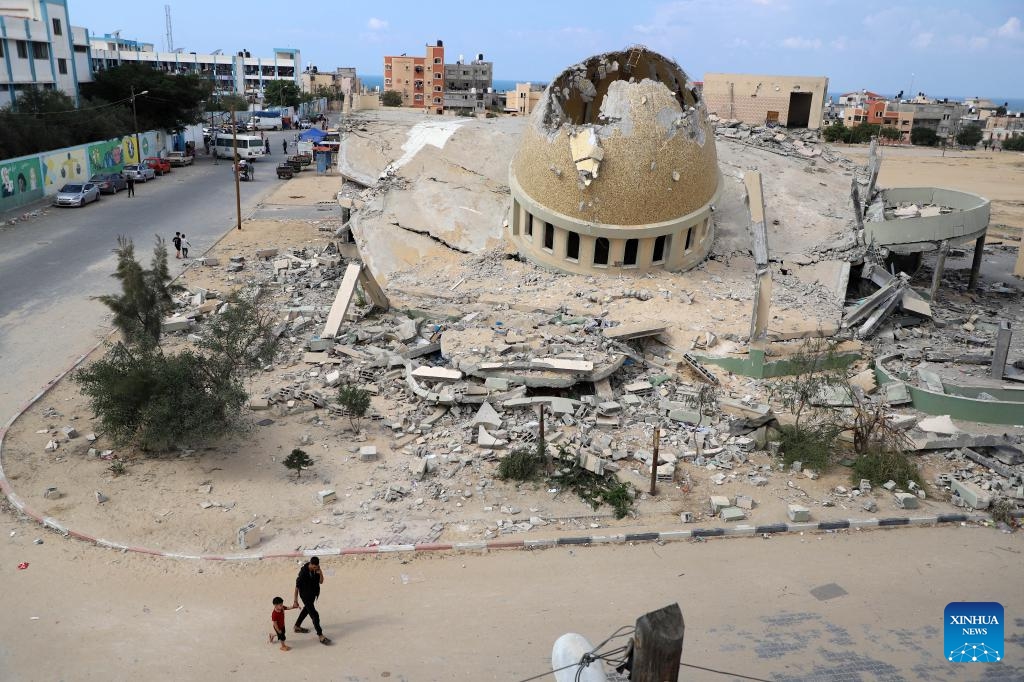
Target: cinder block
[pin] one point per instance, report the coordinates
(368, 453)
(797, 513)
(248, 535)
(732, 514)
(326, 497)
(719, 502)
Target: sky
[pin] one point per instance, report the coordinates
(940, 47)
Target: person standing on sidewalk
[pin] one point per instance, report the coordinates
(130, 182)
(307, 586)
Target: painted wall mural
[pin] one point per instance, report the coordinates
(111, 155)
(20, 182)
(60, 168)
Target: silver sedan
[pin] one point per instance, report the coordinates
(139, 172)
(77, 194)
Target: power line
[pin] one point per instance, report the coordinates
(722, 672)
(68, 111)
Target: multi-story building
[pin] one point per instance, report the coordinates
(238, 73)
(882, 112)
(523, 99)
(941, 116)
(999, 128)
(41, 49)
(420, 80)
(792, 101)
(469, 86)
(343, 82)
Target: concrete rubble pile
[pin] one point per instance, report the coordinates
(800, 143)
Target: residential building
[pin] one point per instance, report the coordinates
(523, 99)
(238, 73)
(791, 101)
(941, 116)
(41, 49)
(342, 82)
(420, 80)
(999, 128)
(882, 112)
(469, 85)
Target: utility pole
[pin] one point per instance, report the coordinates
(135, 122)
(658, 645)
(234, 156)
(548, 464)
(654, 461)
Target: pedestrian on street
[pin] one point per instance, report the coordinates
(130, 182)
(277, 621)
(185, 245)
(307, 586)
(284, 146)
(177, 244)
(267, 146)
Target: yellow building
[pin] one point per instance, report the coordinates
(792, 101)
(523, 99)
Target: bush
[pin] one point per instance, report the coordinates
(391, 98)
(811, 445)
(356, 401)
(522, 464)
(879, 466)
(1014, 144)
(923, 136)
(835, 132)
(298, 460)
(890, 133)
(969, 136)
(620, 497)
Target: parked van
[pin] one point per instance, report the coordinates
(267, 120)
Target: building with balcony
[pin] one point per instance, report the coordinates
(41, 49)
(882, 112)
(523, 99)
(239, 73)
(941, 116)
(420, 80)
(468, 86)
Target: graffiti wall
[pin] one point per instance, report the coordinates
(30, 178)
(60, 168)
(20, 182)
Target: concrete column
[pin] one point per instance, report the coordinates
(940, 266)
(979, 249)
(1003, 337)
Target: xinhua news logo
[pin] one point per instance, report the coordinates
(973, 632)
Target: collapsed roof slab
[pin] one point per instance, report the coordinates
(968, 221)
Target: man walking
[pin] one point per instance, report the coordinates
(177, 244)
(307, 586)
(284, 146)
(130, 181)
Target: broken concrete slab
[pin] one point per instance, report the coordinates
(486, 440)
(624, 332)
(732, 514)
(798, 514)
(971, 494)
(906, 501)
(719, 502)
(427, 373)
(368, 453)
(942, 425)
(486, 416)
(342, 301)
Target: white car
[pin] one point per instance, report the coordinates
(139, 172)
(77, 194)
(178, 159)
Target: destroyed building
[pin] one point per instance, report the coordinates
(617, 170)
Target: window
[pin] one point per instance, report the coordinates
(529, 224)
(22, 49)
(62, 66)
(387, 81)
(632, 245)
(437, 76)
(689, 239)
(40, 50)
(56, 27)
(387, 67)
(572, 247)
(437, 60)
(1, 48)
(437, 100)
(601, 249)
(549, 236)
(437, 88)
(659, 249)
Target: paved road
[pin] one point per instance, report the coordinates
(51, 265)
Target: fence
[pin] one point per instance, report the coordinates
(30, 178)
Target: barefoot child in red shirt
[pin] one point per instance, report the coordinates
(277, 618)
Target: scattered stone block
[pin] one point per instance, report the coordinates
(427, 373)
(686, 517)
(889, 485)
(210, 261)
(732, 514)
(70, 432)
(972, 494)
(496, 383)
(368, 453)
(486, 416)
(486, 440)
(264, 254)
(798, 514)
(51, 446)
(326, 497)
(52, 493)
(870, 505)
(176, 324)
(719, 502)
(906, 501)
(744, 502)
(100, 497)
(257, 404)
(248, 535)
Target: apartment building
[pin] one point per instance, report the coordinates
(239, 73)
(941, 116)
(523, 99)
(41, 49)
(420, 80)
(882, 112)
(469, 85)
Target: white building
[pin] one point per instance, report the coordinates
(239, 73)
(40, 48)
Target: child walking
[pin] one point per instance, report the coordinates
(277, 619)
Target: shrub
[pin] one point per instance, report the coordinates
(522, 464)
(297, 461)
(811, 445)
(923, 136)
(356, 401)
(391, 98)
(879, 466)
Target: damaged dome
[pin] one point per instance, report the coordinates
(617, 168)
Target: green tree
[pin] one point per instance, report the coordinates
(281, 93)
(1014, 144)
(835, 133)
(298, 460)
(41, 120)
(356, 402)
(145, 297)
(155, 400)
(171, 101)
(969, 136)
(890, 133)
(1001, 109)
(391, 98)
(227, 103)
(923, 136)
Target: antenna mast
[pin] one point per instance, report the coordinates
(170, 34)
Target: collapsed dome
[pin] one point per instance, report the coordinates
(617, 168)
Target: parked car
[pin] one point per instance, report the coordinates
(77, 194)
(140, 172)
(109, 183)
(160, 166)
(179, 159)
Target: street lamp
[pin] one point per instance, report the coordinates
(135, 122)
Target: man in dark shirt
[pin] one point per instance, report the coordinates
(307, 586)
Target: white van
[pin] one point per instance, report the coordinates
(261, 122)
(248, 146)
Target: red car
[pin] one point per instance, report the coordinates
(159, 166)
